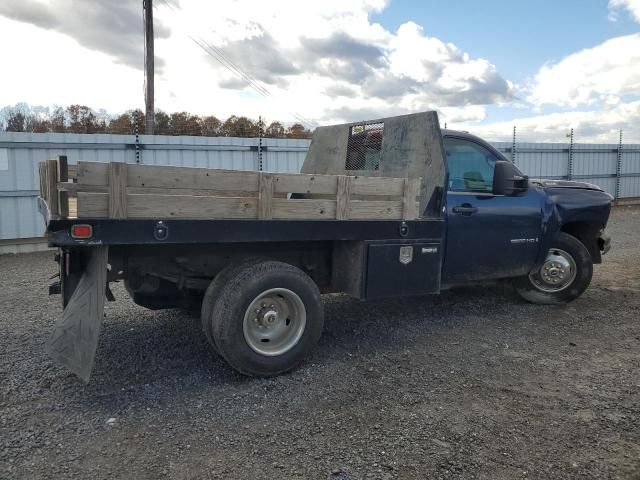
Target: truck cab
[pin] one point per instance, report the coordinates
(516, 230)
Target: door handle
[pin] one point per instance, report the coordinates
(465, 209)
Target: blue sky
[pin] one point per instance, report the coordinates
(517, 36)
(485, 66)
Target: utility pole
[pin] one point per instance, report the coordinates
(149, 66)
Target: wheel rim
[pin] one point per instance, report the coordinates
(557, 273)
(274, 322)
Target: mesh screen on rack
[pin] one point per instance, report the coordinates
(364, 146)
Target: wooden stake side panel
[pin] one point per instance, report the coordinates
(119, 190)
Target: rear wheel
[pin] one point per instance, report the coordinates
(266, 317)
(564, 275)
(213, 293)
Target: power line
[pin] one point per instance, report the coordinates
(219, 55)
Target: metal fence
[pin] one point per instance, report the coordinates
(616, 168)
(21, 152)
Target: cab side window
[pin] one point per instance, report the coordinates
(470, 166)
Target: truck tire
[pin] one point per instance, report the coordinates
(266, 318)
(565, 274)
(213, 292)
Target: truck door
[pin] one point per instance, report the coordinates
(487, 236)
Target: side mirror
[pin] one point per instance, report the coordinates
(507, 180)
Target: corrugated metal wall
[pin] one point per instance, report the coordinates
(614, 168)
(20, 152)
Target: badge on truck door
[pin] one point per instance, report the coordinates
(406, 254)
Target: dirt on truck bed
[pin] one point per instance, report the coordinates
(470, 384)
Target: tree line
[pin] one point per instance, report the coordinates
(83, 119)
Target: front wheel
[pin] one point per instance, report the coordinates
(564, 275)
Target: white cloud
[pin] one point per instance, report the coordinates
(52, 69)
(632, 6)
(299, 51)
(604, 73)
(597, 126)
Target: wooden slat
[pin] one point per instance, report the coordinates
(63, 176)
(375, 210)
(303, 183)
(303, 209)
(42, 175)
(343, 197)
(63, 168)
(73, 208)
(192, 178)
(92, 173)
(326, 184)
(117, 190)
(411, 190)
(265, 196)
(72, 172)
(178, 206)
(78, 187)
(92, 205)
(377, 186)
(169, 206)
(52, 188)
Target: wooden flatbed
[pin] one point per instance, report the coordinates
(132, 191)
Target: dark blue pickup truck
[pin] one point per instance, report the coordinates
(381, 209)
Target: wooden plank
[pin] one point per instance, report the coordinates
(42, 175)
(77, 187)
(284, 209)
(265, 196)
(377, 186)
(63, 168)
(169, 206)
(117, 190)
(190, 191)
(303, 183)
(326, 184)
(92, 205)
(343, 197)
(92, 173)
(52, 188)
(179, 206)
(411, 191)
(63, 176)
(72, 172)
(192, 178)
(73, 207)
(375, 210)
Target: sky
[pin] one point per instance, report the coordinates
(545, 66)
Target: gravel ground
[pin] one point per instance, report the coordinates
(470, 384)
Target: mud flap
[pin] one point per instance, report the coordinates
(74, 339)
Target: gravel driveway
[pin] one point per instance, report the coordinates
(470, 384)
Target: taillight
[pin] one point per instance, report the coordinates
(81, 231)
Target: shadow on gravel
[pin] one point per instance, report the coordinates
(140, 346)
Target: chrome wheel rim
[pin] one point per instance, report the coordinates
(557, 273)
(274, 322)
